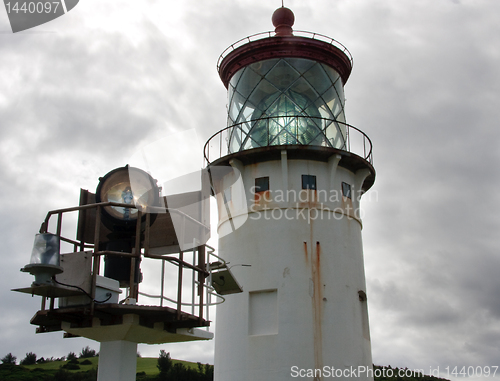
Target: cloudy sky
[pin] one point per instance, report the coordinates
(84, 93)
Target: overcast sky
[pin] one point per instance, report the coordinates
(81, 95)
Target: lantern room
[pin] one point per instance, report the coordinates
(285, 89)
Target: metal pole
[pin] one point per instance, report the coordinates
(134, 286)
(162, 282)
(179, 286)
(201, 277)
(95, 267)
(59, 224)
(193, 284)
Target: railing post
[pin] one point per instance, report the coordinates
(220, 145)
(146, 233)
(162, 293)
(134, 287)
(59, 223)
(348, 136)
(179, 286)
(201, 277)
(364, 147)
(193, 281)
(96, 257)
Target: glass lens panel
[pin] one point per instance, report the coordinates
(263, 67)
(236, 77)
(245, 127)
(323, 109)
(341, 118)
(337, 132)
(334, 76)
(300, 64)
(259, 133)
(318, 79)
(282, 75)
(249, 143)
(293, 97)
(305, 90)
(331, 133)
(339, 88)
(248, 81)
(309, 132)
(235, 106)
(235, 140)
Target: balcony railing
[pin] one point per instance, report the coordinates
(193, 297)
(296, 33)
(237, 138)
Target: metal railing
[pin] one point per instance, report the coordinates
(210, 292)
(238, 138)
(296, 33)
(201, 291)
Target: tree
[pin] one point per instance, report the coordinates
(164, 364)
(87, 352)
(9, 359)
(206, 371)
(180, 373)
(30, 359)
(71, 356)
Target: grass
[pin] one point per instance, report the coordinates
(55, 365)
(144, 364)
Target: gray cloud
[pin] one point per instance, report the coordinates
(76, 103)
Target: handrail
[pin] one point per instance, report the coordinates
(148, 209)
(183, 303)
(198, 266)
(354, 141)
(296, 33)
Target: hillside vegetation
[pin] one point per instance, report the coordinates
(163, 368)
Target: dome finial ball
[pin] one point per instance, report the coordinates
(283, 19)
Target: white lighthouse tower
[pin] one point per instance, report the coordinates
(294, 217)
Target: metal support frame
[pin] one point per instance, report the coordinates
(198, 264)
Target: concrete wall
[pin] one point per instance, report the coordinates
(304, 301)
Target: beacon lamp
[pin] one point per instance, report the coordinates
(125, 185)
(45, 259)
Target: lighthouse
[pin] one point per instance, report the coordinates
(288, 173)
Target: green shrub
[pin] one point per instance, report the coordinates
(71, 366)
(30, 359)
